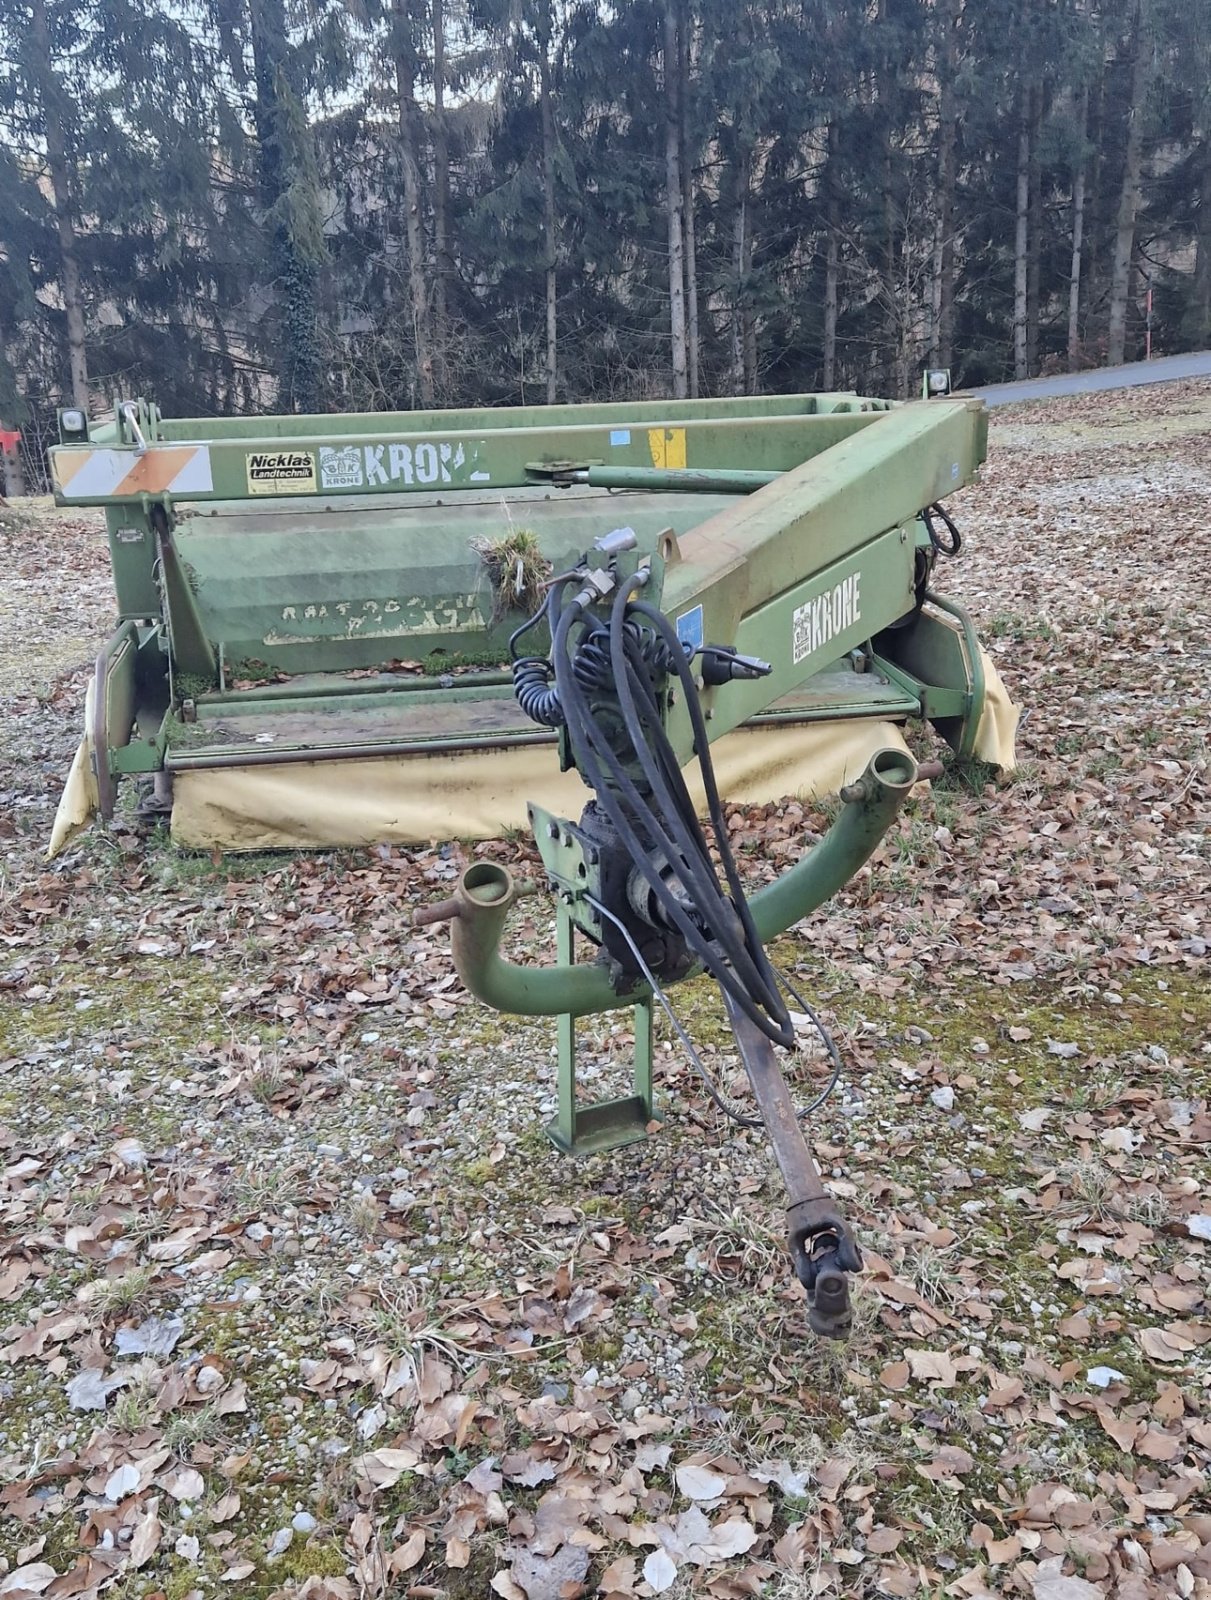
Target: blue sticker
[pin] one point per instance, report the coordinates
(620, 436)
(954, 472)
(689, 627)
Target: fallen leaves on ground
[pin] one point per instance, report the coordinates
(297, 1300)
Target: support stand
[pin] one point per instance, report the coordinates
(582, 1130)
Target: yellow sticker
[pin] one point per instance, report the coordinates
(667, 446)
(281, 471)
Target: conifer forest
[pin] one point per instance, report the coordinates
(243, 205)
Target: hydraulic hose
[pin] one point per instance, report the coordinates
(706, 919)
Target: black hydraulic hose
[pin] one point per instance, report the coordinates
(622, 801)
(554, 589)
(677, 811)
(532, 674)
(773, 1018)
(950, 546)
(731, 962)
(530, 622)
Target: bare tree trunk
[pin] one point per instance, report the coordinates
(832, 225)
(687, 198)
(674, 197)
(947, 139)
(1078, 230)
(548, 208)
(1129, 196)
(1094, 193)
(744, 343)
(60, 183)
(1034, 234)
(888, 97)
(441, 200)
(405, 80)
(691, 282)
(1202, 259)
(749, 320)
(737, 330)
(1020, 368)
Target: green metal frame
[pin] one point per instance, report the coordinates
(486, 892)
(787, 526)
(570, 990)
(944, 668)
(582, 1130)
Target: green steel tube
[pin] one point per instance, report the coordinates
(486, 892)
(481, 903)
(870, 808)
(680, 480)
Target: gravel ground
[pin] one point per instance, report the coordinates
(297, 1299)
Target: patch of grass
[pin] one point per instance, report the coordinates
(1020, 629)
(517, 570)
(198, 1425)
(263, 1187)
(315, 1557)
(363, 1214)
(111, 1297)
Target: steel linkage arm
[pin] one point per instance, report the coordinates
(486, 891)
(821, 1245)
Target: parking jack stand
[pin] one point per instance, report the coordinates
(582, 1130)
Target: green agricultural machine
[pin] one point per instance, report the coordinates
(344, 629)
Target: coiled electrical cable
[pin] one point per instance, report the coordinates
(592, 664)
(535, 693)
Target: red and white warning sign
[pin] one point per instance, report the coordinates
(89, 474)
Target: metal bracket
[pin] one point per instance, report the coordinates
(574, 868)
(582, 1130)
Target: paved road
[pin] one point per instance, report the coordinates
(1165, 369)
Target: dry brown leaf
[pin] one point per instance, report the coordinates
(699, 1483)
(145, 1540)
(30, 1579)
(407, 1555)
(933, 1366)
(882, 1541)
(382, 1469)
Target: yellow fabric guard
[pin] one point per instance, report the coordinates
(79, 801)
(997, 733)
(418, 799)
(477, 795)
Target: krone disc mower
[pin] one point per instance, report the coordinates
(402, 627)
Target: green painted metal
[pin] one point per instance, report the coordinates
(786, 526)
(267, 465)
(676, 480)
(487, 891)
(864, 818)
(580, 1129)
(615, 413)
(944, 668)
(330, 587)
